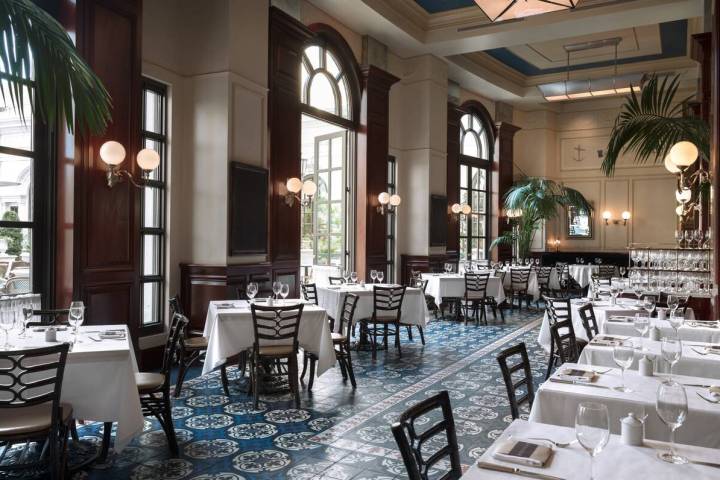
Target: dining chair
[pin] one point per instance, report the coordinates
(309, 291)
(476, 297)
(31, 410)
(563, 337)
(519, 278)
(387, 310)
(410, 440)
(569, 287)
(336, 280)
(512, 386)
(606, 271)
(559, 312)
(429, 302)
(543, 280)
(275, 339)
(191, 346)
(154, 387)
(587, 315)
(46, 316)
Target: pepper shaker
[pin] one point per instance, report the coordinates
(632, 430)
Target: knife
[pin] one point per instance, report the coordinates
(699, 385)
(572, 382)
(707, 464)
(516, 471)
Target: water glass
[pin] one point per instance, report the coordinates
(671, 349)
(672, 408)
(592, 429)
(373, 275)
(380, 276)
(76, 317)
(623, 355)
(641, 324)
(346, 275)
(677, 318)
(7, 322)
(353, 277)
(649, 304)
(284, 290)
(251, 290)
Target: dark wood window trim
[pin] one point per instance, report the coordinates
(391, 222)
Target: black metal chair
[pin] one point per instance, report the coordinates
(587, 315)
(336, 280)
(519, 278)
(606, 271)
(154, 388)
(511, 385)
(191, 346)
(422, 285)
(31, 411)
(559, 312)
(410, 441)
(46, 317)
(477, 299)
(543, 280)
(569, 287)
(387, 310)
(309, 291)
(276, 339)
(566, 347)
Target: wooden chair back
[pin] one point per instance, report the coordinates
(388, 299)
(276, 324)
(519, 278)
(309, 291)
(336, 280)
(526, 381)
(476, 285)
(563, 336)
(347, 314)
(587, 315)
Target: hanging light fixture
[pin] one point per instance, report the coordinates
(499, 10)
(599, 87)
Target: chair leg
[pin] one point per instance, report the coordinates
(293, 380)
(374, 342)
(348, 365)
(409, 332)
(73, 430)
(305, 365)
(311, 380)
(169, 427)
(550, 362)
(341, 363)
(224, 380)
(422, 335)
(182, 370)
(397, 339)
(385, 337)
(254, 373)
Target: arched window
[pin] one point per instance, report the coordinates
(324, 83)
(475, 161)
(329, 82)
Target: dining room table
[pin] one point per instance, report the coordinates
(707, 331)
(99, 378)
(452, 285)
(557, 399)
(583, 272)
(229, 330)
(413, 312)
(570, 460)
(697, 359)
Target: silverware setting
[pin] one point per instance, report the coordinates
(553, 442)
(703, 353)
(573, 382)
(709, 400)
(516, 471)
(707, 464)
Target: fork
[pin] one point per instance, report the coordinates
(553, 442)
(709, 400)
(700, 352)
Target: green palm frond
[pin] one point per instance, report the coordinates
(651, 123)
(35, 51)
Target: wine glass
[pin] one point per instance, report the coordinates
(373, 275)
(353, 277)
(614, 292)
(638, 290)
(672, 302)
(677, 319)
(623, 355)
(346, 275)
(672, 408)
(7, 322)
(592, 428)
(642, 325)
(276, 287)
(284, 290)
(537, 261)
(76, 317)
(622, 271)
(671, 349)
(649, 304)
(380, 276)
(27, 316)
(679, 237)
(251, 290)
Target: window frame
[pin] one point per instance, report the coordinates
(391, 225)
(160, 184)
(481, 163)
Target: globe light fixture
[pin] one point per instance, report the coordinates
(113, 153)
(388, 203)
(683, 154)
(294, 187)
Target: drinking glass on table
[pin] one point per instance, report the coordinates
(251, 290)
(677, 318)
(638, 290)
(353, 277)
(276, 287)
(641, 324)
(284, 290)
(649, 304)
(623, 355)
(27, 314)
(614, 292)
(672, 408)
(76, 316)
(672, 302)
(592, 429)
(622, 271)
(373, 275)
(380, 276)
(7, 321)
(346, 275)
(671, 349)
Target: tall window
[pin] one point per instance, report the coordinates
(327, 129)
(152, 231)
(390, 233)
(475, 158)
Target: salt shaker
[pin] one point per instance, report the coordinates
(662, 315)
(654, 333)
(632, 430)
(645, 366)
(50, 335)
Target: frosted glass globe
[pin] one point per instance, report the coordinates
(148, 159)
(112, 152)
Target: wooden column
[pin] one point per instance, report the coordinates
(287, 39)
(103, 267)
(502, 181)
(453, 177)
(715, 153)
(372, 153)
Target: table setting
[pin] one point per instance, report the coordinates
(452, 285)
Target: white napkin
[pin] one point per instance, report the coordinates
(522, 452)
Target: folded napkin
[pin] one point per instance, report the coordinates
(702, 323)
(607, 340)
(576, 375)
(621, 318)
(112, 335)
(523, 452)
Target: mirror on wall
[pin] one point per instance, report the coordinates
(579, 223)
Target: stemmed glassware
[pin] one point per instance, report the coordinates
(672, 302)
(671, 349)
(380, 276)
(346, 275)
(642, 325)
(284, 290)
(679, 237)
(251, 290)
(276, 287)
(622, 271)
(638, 290)
(76, 316)
(27, 313)
(592, 429)
(623, 355)
(353, 277)
(649, 304)
(672, 408)
(676, 319)
(7, 321)
(373, 275)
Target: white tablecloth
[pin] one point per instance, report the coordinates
(583, 273)
(687, 332)
(556, 404)
(602, 311)
(230, 331)
(616, 461)
(322, 273)
(99, 380)
(691, 363)
(331, 298)
(452, 285)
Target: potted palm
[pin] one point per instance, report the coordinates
(38, 62)
(530, 202)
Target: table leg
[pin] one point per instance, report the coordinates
(107, 431)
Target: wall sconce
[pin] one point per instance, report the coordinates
(556, 242)
(112, 153)
(294, 187)
(460, 209)
(607, 216)
(388, 202)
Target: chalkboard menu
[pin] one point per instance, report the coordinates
(248, 209)
(438, 221)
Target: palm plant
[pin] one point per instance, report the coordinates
(41, 69)
(539, 199)
(651, 123)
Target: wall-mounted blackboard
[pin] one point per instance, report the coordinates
(248, 210)
(438, 221)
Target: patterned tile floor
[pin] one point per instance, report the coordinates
(337, 433)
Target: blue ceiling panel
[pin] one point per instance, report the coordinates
(437, 6)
